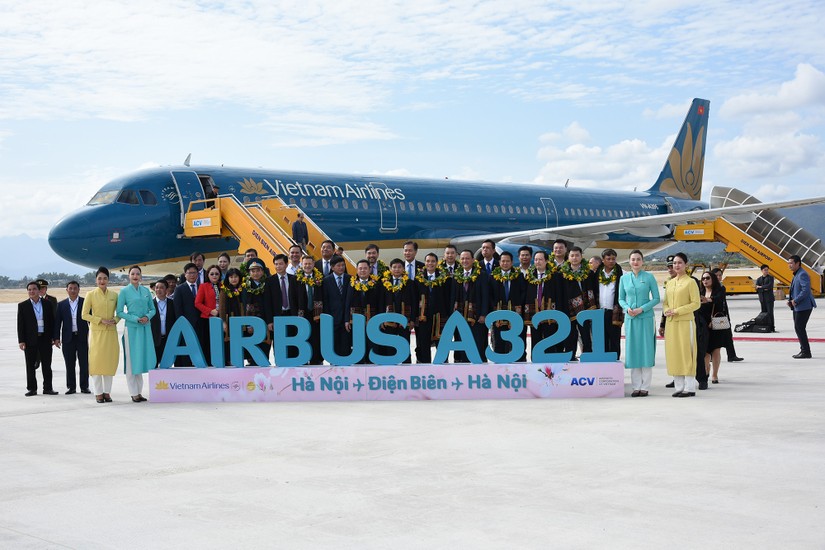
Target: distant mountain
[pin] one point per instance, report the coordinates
(24, 256)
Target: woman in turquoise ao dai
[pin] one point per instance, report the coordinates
(638, 293)
(135, 305)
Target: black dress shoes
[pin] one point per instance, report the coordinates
(734, 359)
(671, 385)
(30, 393)
(50, 392)
(71, 392)
(684, 394)
(87, 390)
(703, 385)
(636, 393)
(802, 355)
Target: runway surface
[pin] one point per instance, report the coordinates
(738, 466)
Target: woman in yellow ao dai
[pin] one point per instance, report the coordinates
(681, 300)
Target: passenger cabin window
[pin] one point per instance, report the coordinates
(103, 197)
(128, 196)
(148, 197)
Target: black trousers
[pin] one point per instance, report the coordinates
(43, 352)
(766, 301)
(612, 334)
(76, 353)
(800, 324)
(479, 331)
(702, 336)
(424, 342)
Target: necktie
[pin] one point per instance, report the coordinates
(506, 290)
(284, 294)
(340, 284)
(309, 295)
(411, 271)
(194, 290)
(326, 267)
(466, 284)
(540, 286)
(489, 267)
(395, 282)
(451, 270)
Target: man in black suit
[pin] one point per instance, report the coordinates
(282, 295)
(71, 334)
(335, 303)
(47, 299)
(35, 328)
(364, 300)
(607, 277)
(402, 298)
(434, 288)
(471, 295)
(411, 265)
(507, 292)
(185, 304)
(163, 321)
(489, 258)
(324, 265)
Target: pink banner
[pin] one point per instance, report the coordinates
(395, 383)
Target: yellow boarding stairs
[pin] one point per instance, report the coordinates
(758, 252)
(265, 226)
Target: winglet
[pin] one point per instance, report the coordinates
(681, 176)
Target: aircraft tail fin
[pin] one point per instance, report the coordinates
(681, 176)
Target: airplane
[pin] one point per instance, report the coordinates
(139, 218)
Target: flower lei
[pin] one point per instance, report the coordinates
(314, 280)
(387, 281)
(442, 266)
(604, 279)
(439, 280)
(231, 292)
(567, 272)
(382, 268)
(474, 273)
(356, 283)
(532, 276)
(499, 275)
(253, 291)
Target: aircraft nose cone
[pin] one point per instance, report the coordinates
(71, 239)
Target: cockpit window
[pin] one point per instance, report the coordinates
(148, 197)
(128, 196)
(103, 197)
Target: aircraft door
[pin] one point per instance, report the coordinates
(189, 189)
(386, 207)
(551, 217)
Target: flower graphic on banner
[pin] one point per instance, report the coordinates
(261, 381)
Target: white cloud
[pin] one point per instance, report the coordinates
(778, 137)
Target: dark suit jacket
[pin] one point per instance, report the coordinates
(171, 317)
(63, 322)
(335, 301)
(437, 298)
(27, 322)
(478, 293)
(273, 301)
(518, 290)
(185, 304)
(361, 299)
(407, 296)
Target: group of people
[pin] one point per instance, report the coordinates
(695, 322)
(86, 331)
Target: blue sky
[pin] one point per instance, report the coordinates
(527, 91)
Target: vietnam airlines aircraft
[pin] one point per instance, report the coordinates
(140, 218)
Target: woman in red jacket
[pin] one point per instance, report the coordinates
(207, 303)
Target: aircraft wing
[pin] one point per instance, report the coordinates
(659, 225)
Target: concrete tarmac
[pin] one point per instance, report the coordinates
(738, 466)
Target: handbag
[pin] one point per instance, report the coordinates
(719, 322)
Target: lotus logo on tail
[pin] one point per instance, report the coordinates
(686, 167)
(162, 385)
